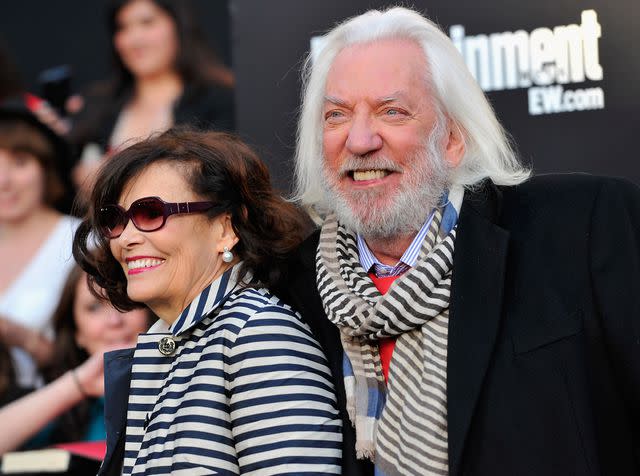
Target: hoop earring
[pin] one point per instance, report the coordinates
(227, 256)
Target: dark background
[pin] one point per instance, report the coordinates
(265, 41)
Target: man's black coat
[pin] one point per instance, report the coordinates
(543, 372)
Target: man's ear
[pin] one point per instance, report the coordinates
(455, 145)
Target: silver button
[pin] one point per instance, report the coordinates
(167, 346)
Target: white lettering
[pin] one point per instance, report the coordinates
(542, 56)
(508, 60)
(554, 99)
(591, 33)
(569, 58)
(477, 58)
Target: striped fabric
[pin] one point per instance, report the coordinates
(246, 391)
(403, 428)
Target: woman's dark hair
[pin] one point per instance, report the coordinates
(196, 63)
(220, 168)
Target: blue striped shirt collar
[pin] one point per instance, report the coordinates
(407, 260)
(210, 298)
(451, 203)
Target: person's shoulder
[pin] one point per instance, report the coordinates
(207, 106)
(305, 253)
(571, 182)
(253, 301)
(564, 201)
(568, 189)
(98, 95)
(261, 307)
(206, 95)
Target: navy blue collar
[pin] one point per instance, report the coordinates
(209, 299)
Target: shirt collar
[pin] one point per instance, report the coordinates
(451, 202)
(407, 260)
(209, 299)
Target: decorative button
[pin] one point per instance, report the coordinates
(167, 346)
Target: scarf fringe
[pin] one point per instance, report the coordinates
(365, 450)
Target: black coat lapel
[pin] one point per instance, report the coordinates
(117, 376)
(475, 308)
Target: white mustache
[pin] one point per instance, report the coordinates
(354, 163)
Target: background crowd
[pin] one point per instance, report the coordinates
(53, 332)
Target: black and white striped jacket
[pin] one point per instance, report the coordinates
(246, 390)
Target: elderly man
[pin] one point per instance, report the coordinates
(477, 322)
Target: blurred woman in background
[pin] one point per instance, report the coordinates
(35, 238)
(71, 407)
(165, 74)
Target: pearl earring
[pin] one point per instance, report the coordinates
(227, 256)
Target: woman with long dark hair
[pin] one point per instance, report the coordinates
(164, 74)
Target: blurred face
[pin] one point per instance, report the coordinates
(167, 268)
(99, 326)
(146, 38)
(384, 170)
(22, 185)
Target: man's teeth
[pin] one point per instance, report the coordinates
(369, 174)
(144, 263)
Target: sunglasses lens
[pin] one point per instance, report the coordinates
(112, 221)
(148, 214)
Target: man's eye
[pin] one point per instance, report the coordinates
(334, 116)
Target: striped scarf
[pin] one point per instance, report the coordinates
(403, 429)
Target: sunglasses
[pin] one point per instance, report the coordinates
(147, 214)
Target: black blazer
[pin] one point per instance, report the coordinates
(207, 107)
(543, 372)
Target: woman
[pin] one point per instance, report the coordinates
(35, 238)
(230, 381)
(165, 74)
(71, 407)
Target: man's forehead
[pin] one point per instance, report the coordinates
(383, 69)
(383, 48)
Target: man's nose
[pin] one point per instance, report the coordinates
(363, 136)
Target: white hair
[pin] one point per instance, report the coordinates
(488, 152)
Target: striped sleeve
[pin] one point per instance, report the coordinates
(283, 408)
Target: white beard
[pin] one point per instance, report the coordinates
(406, 208)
